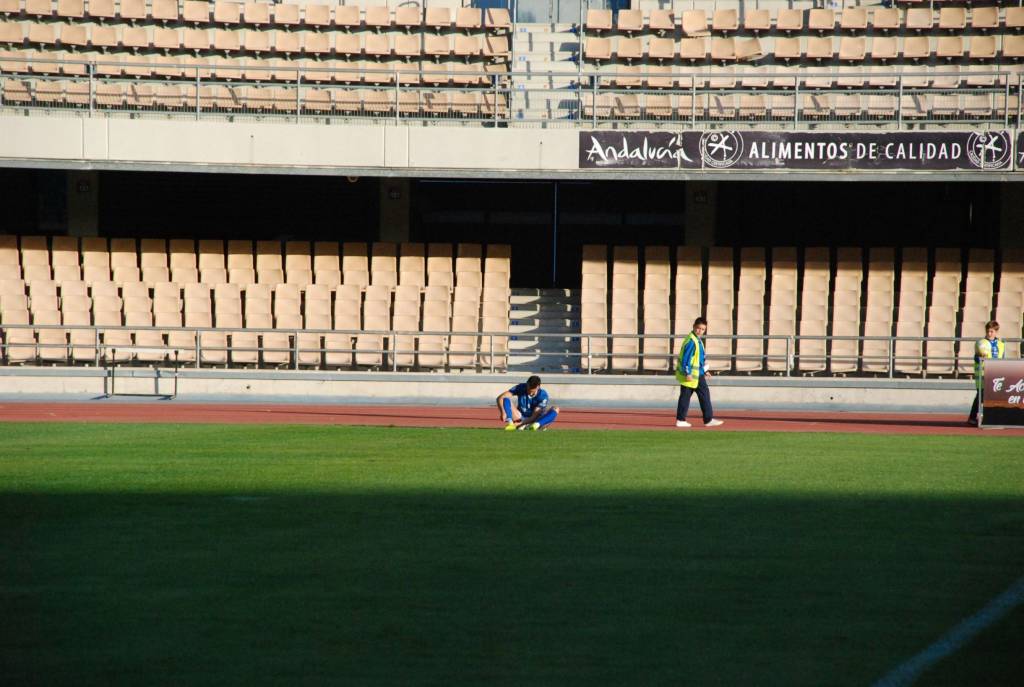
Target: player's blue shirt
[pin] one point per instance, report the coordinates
(525, 402)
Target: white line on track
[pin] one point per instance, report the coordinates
(911, 669)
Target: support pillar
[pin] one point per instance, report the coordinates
(701, 206)
(83, 203)
(1011, 215)
(394, 210)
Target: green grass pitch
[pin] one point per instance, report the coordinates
(281, 555)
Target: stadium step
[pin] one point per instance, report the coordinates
(544, 51)
(537, 317)
(544, 311)
(551, 306)
(547, 294)
(561, 344)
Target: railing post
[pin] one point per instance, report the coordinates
(892, 357)
(490, 341)
(593, 103)
(96, 333)
(199, 348)
(298, 97)
(796, 102)
(496, 97)
(789, 356)
(1020, 82)
(899, 104)
(398, 87)
(1006, 106)
(295, 350)
(693, 102)
(92, 89)
(590, 356)
(197, 93)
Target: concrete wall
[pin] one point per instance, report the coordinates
(281, 144)
(567, 391)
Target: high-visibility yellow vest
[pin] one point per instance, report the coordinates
(985, 350)
(696, 360)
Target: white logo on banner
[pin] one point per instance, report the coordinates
(643, 152)
(721, 149)
(988, 149)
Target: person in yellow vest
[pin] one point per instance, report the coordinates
(989, 348)
(692, 376)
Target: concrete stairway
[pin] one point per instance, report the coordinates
(544, 311)
(543, 50)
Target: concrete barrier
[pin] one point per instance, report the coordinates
(640, 391)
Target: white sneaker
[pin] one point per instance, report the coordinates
(683, 423)
(714, 423)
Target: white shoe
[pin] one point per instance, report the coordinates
(714, 423)
(683, 423)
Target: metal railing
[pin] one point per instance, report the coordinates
(754, 98)
(782, 355)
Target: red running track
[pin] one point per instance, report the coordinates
(440, 416)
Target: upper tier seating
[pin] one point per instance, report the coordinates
(829, 51)
(367, 48)
(154, 291)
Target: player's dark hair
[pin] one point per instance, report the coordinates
(700, 320)
(533, 382)
(992, 325)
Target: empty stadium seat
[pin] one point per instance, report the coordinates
(719, 308)
(439, 265)
(878, 318)
(593, 308)
(815, 287)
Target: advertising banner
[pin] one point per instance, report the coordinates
(1002, 397)
(797, 150)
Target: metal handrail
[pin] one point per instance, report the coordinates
(1005, 92)
(791, 358)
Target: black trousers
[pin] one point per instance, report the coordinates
(973, 417)
(703, 397)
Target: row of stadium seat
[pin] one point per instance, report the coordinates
(784, 107)
(441, 324)
(785, 297)
(223, 13)
(846, 49)
(92, 259)
(361, 293)
(110, 39)
(249, 99)
(249, 69)
(662, 77)
(697, 22)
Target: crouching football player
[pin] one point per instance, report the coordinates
(526, 406)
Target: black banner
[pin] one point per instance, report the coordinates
(803, 150)
(1002, 396)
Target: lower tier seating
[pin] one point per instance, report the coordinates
(852, 311)
(212, 302)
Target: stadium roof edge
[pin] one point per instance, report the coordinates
(900, 176)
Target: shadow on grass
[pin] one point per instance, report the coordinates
(519, 589)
